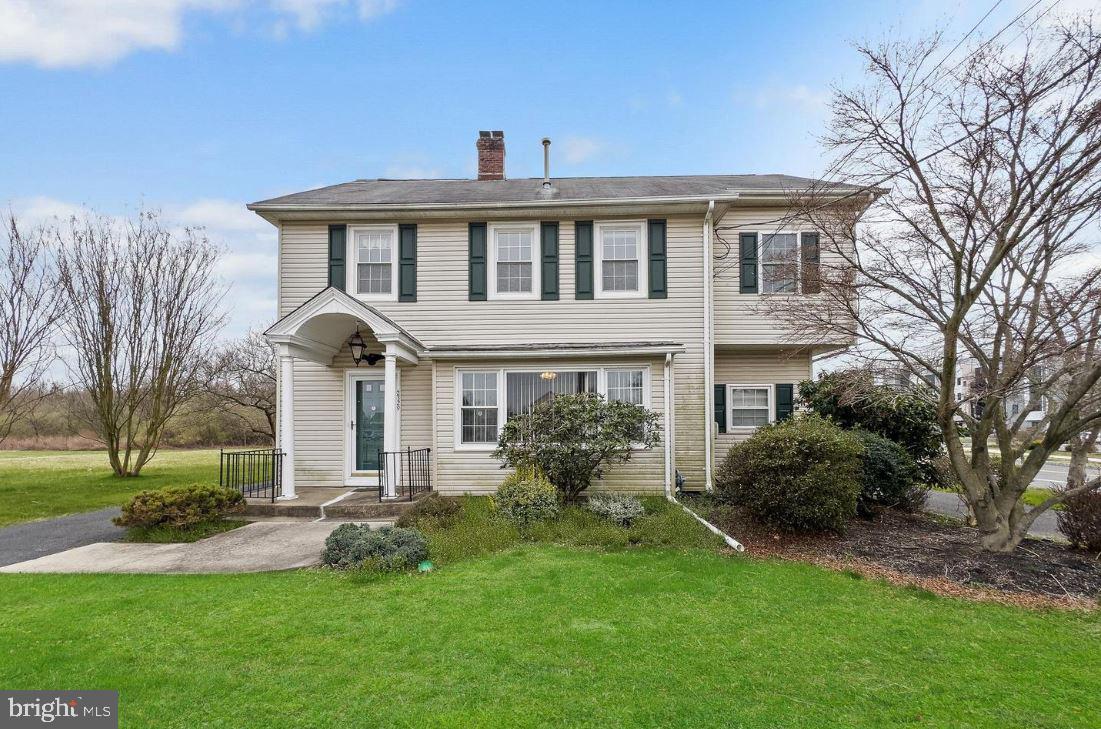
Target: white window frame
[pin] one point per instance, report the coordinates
(730, 406)
(502, 392)
(798, 261)
(643, 260)
(536, 246)
(351, 275)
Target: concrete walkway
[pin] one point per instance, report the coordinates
(33, 539)
(257, 547)
(1046, 525)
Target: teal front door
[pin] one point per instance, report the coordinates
(369, 423)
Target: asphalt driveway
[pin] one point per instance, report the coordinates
(21, 542)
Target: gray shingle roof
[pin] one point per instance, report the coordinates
(473, 192)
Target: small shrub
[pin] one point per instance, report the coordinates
(432, 510)
(572, 439)
(387, 549)
(526, 497)
(180, 506)
(891, 477)
(621, 509)
(802, 474)
(1080, 520)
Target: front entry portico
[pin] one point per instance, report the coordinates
(316, 332)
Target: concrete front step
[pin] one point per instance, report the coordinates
(355, 506)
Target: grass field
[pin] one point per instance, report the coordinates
(42, 484)
(542, 635)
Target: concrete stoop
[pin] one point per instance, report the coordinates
(332, 504)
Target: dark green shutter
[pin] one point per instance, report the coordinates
(748, 268)
(658, 264)
(548, 274)
(407, 262)
(477, 261)
(785, 401)
(720, 407)
(338, 237)
(583, 259)
(811, 253)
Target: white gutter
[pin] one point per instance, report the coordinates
(558, 202)
(708, 346)
(655, 350)
(668, 426)
(730, 541)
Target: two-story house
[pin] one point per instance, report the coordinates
(422, 314)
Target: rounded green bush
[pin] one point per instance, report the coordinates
(802, 474)
(525, 497)
(386, 548)
(891, 476)
(179, 506)
(431, 511)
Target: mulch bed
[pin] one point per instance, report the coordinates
(942, 557)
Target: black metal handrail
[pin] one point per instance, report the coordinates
(256, 474)
(409, 471)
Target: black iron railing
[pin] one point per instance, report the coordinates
(404, 474)
(257, 474)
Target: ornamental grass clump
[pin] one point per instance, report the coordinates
(621, 509)
(526, 497)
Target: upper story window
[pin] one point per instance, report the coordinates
(619, 259)
(374, 274)
(515, 273)
(779, 263)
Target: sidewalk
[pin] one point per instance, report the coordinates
(257, 547)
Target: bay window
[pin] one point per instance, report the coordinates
(488, 398)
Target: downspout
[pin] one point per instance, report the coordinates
(668, 426)
(708, 346)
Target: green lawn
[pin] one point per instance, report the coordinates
(41, 484)
(541, 635)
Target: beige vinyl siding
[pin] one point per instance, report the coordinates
(476, 471)
(744, 318)
(442, 315)
(321, 418)
(768, 367)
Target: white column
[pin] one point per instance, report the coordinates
(390, 437)
(286, 422)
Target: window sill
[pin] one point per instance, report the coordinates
(476, 447)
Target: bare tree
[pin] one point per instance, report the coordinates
(995, 170)
(244, 382)
(144, 306)
(29, 310)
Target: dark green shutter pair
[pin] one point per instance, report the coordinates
(785, 404)
(657, 259)
(407, 259)
(809, 252)
(478, 268)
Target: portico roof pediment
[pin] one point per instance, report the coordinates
(318, 328)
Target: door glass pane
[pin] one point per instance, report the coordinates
(370, 423)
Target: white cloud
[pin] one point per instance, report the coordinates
(220, 215)
(581, 149)
(66, 33)
(799, 95)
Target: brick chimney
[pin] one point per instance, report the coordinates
(491, 155)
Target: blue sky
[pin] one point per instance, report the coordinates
(199, 106)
